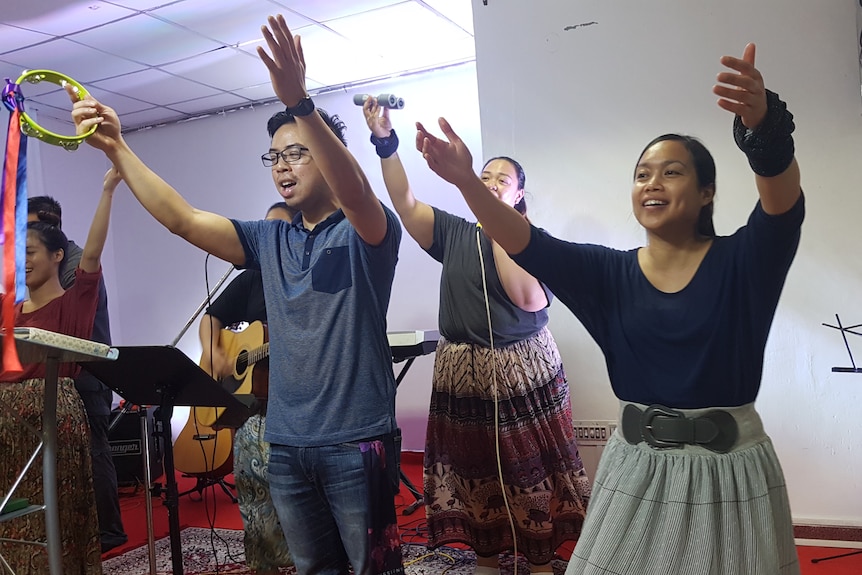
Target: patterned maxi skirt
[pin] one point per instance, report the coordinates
(689, 510)
(79, 529)
(546, 488)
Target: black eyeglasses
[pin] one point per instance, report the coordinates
(291, 155)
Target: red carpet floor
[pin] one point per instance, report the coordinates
(217, 510)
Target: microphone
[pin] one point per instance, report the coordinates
(385, 100)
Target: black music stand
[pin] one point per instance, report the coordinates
(166, 377)
(851, 369)
(407, 346)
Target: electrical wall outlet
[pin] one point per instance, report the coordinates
(590, 432)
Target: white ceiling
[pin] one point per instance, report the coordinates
(158, 61)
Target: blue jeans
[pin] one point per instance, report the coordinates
(321, 496)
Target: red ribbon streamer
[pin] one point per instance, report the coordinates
(11, 363)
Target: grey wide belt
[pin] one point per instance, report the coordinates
(665, 428)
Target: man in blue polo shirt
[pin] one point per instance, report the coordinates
(327, 278)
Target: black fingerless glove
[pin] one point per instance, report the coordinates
(385, 146)
(769, 147)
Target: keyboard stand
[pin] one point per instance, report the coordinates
(42, 346)
(407, 346)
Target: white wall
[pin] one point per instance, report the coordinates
(156, 281)
(577, 106)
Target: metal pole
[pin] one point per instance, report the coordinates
(49, 467)
(148, 496)
(201, 307)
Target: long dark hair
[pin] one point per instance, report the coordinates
(521, 206)
(704, 169)
(50, 235)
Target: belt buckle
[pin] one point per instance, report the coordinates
(651, 413)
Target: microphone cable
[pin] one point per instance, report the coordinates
(496, 398)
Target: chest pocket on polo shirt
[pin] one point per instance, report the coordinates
(331, 273)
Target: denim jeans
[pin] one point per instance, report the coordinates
(321, 496)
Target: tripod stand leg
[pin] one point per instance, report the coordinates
(204, 482)
(420, 501)
(226, 488)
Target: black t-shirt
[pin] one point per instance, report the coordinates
(241, 300)
(462, 313)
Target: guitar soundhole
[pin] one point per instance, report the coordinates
(241, 363)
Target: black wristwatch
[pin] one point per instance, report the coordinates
(303, 108)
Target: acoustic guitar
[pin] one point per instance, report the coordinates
(202, 448)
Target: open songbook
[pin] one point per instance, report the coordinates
(66, 347)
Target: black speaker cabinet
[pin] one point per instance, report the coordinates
(126, 447)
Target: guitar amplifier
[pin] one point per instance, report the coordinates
(127, 445)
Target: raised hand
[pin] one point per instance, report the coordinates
(378, 123)
(287, 64)
(89, 112)
(450, 159)
(742, 92)
(112, 180)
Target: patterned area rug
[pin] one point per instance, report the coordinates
(208, 552)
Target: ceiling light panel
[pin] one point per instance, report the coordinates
(458, 11)
(321, 11)
(440, 41)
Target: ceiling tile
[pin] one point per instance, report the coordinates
(259, 93)
(9, 70)
(41, 112)
(80, 63)
(122, 104)
(218, 102)
(146, 39)
(226, 69)
(143, 4)
(156, 86)
(330, 9)
(232, 22)
(71, 17)
(12, 38)
(151, 117)
(59, 100)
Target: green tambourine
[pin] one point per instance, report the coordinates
(30, 128)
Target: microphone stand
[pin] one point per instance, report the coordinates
(166, 433)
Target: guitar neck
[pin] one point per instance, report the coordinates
(258, 353)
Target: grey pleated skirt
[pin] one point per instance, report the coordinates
(689, 511)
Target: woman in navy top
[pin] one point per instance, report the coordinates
(690, 483)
